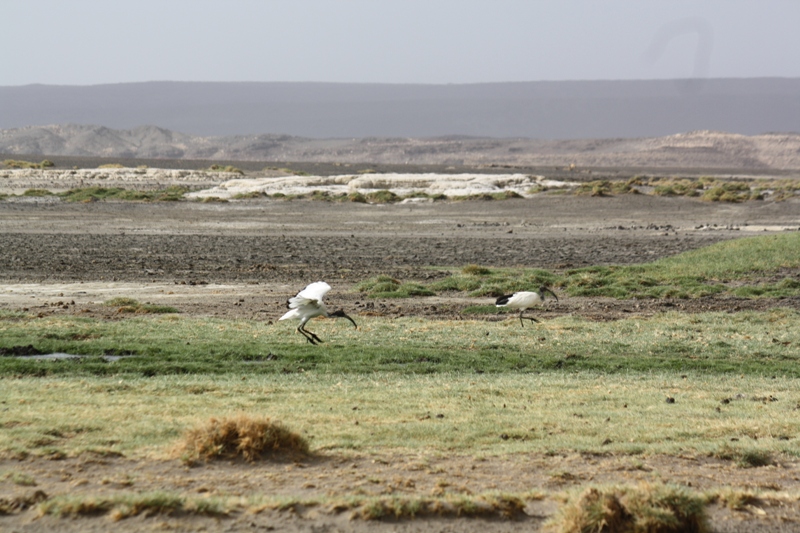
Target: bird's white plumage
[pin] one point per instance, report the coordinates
(523, 300)
(308, 302)
(307, 305)
(314, 291)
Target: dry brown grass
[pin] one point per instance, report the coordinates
(645, 509)
(489, 505)
(14, 504)
(241, 436)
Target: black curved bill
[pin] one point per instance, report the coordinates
(545, 289)
(341, 314)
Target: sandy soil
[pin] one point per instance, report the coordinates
(244, 258)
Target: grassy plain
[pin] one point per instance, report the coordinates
(566, 384)
(503, 413)
(753, 343)
(722, 385)
(736, 267)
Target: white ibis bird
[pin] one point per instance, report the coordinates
(523, 300)
(307, 305)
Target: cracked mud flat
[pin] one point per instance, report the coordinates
(244, 258)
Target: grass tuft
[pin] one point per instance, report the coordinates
(128, 505)
(130, 305)
(387, 287)
(241, 436)
(357, 197)
(645, 509)
(10, 505)
(94, 194)
(475, 270)
(249, 195)
(399, 507)
(382, 197)
(744, 458)
(225, 168)
(37, 192)
(737, 500)
(13, 163)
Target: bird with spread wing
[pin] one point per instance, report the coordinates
(307, 305)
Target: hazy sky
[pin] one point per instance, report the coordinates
(84, 42)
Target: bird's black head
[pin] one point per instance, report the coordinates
(341, 314)
(544, 289)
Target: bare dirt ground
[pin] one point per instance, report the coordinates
(244, 258)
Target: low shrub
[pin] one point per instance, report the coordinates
(242, 436)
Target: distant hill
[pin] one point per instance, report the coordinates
(534, 110)
(697, 149)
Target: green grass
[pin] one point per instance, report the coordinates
(604, 188)
(565, 384)
(130, 305)
(732, 267)
(482, 281)
(93, 194)
(13, 163)
(132, 504)
(287, 171)
(388, 287)
(382, 197)
(37, 192)
(459, 413)
(759, 343)
(706, 188)
(226, 168)
(249, 195)
(89, 194)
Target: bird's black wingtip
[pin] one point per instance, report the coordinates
(503, 300)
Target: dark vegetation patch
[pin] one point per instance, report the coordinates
(17, 351)
(93, 194)
(130, 305)
(226, 168)
(14, 163)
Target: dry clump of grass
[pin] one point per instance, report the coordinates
(476, 270)
(240, 436)
(488, 505)
(646, 509)
(738, 500)
(120, 506)
(10, 505)
(130, 305)
(744, 458)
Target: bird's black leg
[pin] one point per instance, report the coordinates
(521, 323)
(310, 337)
(302, 332)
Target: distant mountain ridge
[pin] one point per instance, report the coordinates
(697, 149)
(535, 110)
